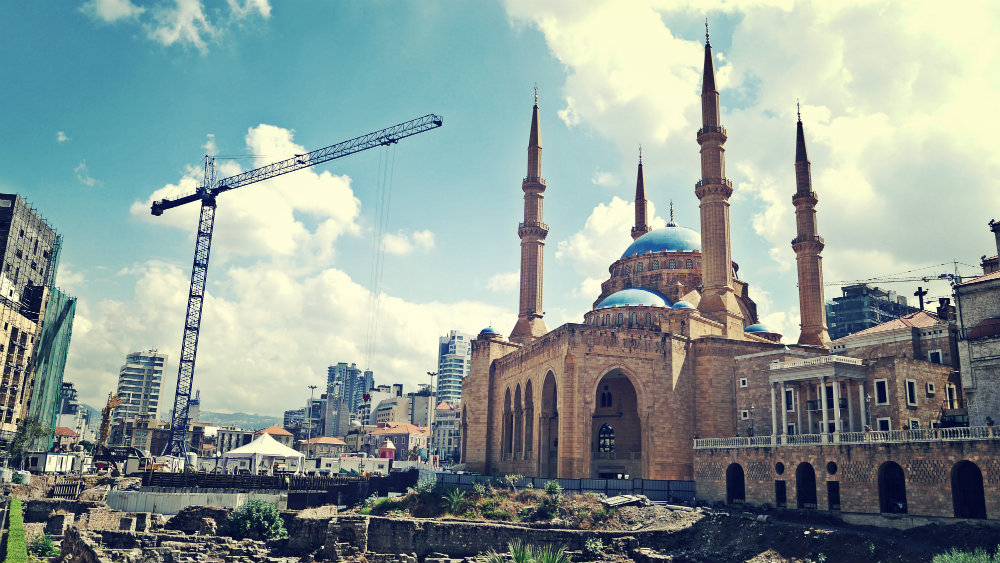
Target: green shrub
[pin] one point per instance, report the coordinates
(257, 519)
(17, 549)
(453, 501)
(551, 554)
(43, 546)
(511, 481)
(425, 486)
(956, 555)
(553, 489)
(593, 547)
(479, 489)
(601, 515)
(520, 552)
(17, 479)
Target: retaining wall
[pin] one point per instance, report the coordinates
(172, 503)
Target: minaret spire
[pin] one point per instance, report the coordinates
(532, 232)
(718, 300)
(641, 227)
(808, 246)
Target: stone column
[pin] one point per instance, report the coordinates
(850, 407)
(798, 409)
(784, 413)
(861, 402)
(823, 406)
(836, 410)
(774, 415)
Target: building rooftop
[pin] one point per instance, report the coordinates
(668, 239)
(63, 431)
(920, 319)
(275, 431)
(634, 296)
(987, 277)
(325, 440)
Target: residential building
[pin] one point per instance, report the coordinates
(65, 439)
(446, 433)
(406, 438)
(281, 435)
(142, 431)
(356, 437)
(861, 307)
(322, 446)
(230, 437)
(977, 304)
(367, 412)
(421, 405)
(393, 409)
(293, 417)
(353, 384)
(454, 361)
(139, 383)
(72, 414)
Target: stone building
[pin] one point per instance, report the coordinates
(977, 303)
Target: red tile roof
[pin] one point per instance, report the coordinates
(401, 429)
(275, 431)
(444, 406)
(63, 431)
(987, 277)
(326, 440)
(920, 319)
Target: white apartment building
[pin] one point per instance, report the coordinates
(454, 362)
(139, 383)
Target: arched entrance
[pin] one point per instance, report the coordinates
(967, 494)
(518, 424)
(805, 486)
(891, 488)
(735, 485)
(548, 429)
(615, 429)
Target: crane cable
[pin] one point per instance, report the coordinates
(386, 169)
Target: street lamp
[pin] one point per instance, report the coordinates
(309, 416)
(430, 408)
(751, 419)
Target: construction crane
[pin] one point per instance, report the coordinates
(890, 279)
(206, 194)
(102, 437)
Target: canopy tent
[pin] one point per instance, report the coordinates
(265, 450)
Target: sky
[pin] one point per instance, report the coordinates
(111, 104)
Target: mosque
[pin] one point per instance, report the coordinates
(652, 365)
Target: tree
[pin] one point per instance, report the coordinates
(87, 446)
(30, 430)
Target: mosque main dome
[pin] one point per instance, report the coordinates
(671, 238)
(634, 297)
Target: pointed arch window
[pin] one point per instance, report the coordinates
(655, 265)
(638, 268)
(621, 318)
(634, 319)
(607, 320)
(688, 264)
(672, 264)
(606, 438)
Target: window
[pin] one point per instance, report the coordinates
(672, 264)
(638, 267)
(744, 414)
(952, 397)
(934, 356)
(649, 319)
(913, 424)
(791, 428)
(621, 318)
(655, 265)
(688, 264)
(881, 392)
(626, 270)
(911, 393)
(744, 382)
(930, 389)
(884, 424)
(606, 439)
(829, 396)
(789, 400)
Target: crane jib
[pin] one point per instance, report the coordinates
(206, 193)
(382, 137)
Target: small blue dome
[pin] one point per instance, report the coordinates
(670, 238)
(634, 296)
(759, 328)
(488, 331)
(682, 305)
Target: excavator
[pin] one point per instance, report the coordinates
(114, 458)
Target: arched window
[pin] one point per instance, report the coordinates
(672, 264)
(649, 319)
(606, 439)
(688, 264)
(621, 318)
(638, 267)
(607, 320)
(655, 265)
(634, 319)
(627, 270)
(892, 488)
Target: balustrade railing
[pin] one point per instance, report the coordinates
(869, 437)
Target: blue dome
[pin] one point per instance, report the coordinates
(670, 238)
(488, 331)
(759, 328)
(634, 296)
(682, 305)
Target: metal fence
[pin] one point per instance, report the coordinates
(659, 490)
(397, 481)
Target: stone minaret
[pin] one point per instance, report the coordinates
(641, 227)
(718, 302)
(532, 232)
(808, 245)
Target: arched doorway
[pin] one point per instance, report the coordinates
(735, 484)
(967, 494)
(615, 429)
(805, 486)
(518, 424)
(891, 488)
(548, 429)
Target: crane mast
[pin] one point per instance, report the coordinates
(206, 193)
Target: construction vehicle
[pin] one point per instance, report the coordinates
(102, 439)
(206, 194)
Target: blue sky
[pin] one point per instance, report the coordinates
(109, 104)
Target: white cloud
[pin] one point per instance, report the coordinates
(606, 233)
(110, 11)
(268, 218)
(506, 282)
(210, 147)
(262, 7)
(61, 137)
(401, 243)
(83, 175)
(184, 23)
(604, 178)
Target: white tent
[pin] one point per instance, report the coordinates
(263, 451)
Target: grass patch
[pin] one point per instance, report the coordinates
(979, 555)
(17, 548)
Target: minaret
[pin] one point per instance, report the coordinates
(718, 302)
(641, 227)
(532, 232)
(808, 245)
